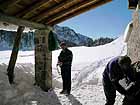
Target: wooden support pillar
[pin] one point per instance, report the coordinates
(14, 54)
(43, 60)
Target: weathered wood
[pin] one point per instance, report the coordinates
(69, 10)
(6, 3)
(72, 13)
(43, 60)
(82, 7)
(52, 10)
(31, 8)
(14, 54)
(20, 22)
(132, 4)
(57, 1)
(39, 10)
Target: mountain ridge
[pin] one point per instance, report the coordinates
(27, 42)
(65, 34)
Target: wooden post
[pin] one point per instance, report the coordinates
(43, 60)
(14, 54)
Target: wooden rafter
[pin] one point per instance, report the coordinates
(57, 1)
(31, 8)
(20, 22)
(77, 13)
(34, 12)
(52, 10)
(132, 4)
(6, 3)
(70, 10)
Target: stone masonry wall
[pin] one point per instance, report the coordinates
(43, 60)
(133, 44)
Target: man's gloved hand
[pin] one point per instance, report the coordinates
(125, 85)
(59, 64)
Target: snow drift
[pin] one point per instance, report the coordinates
(88, 65)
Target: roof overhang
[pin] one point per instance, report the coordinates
(47, 12)
(132, 4)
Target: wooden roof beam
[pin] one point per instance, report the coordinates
(132, 4)
(6, 3)
(57, 1)
(78, 12)
(20, 22)
(70, 10)
(48, 12)
(31, 8)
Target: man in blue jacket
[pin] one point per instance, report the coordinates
(116, 76)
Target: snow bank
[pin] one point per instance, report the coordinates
(88, 65)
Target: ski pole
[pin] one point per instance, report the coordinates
(58, 69)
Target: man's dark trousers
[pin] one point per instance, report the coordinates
(66, 77)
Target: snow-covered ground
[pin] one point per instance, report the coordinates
(88, 65)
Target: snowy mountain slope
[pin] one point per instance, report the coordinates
(88, 65)
(27, 41)
(71, 37)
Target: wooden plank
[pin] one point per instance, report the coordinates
(20, 22)
(70, 10)
(31, 8)
(51, 10)
(132, 4)
(14, 54)
(72, 14)
(57, 1)
(7, 3)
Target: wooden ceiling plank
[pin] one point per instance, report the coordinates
(31, 8)
(132, 4)
(77, 12)
(6, 3)
(20, 22)
(49, 11)
(20, 6)
(70, 10)
(57, 1)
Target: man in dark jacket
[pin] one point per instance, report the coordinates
(134, 92)
(115, 77)
(65, 61)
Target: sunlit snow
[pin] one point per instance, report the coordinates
(87, 67)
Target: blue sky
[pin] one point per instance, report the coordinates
(109, 20)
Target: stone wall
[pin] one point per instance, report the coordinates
(43, 60)
(133, 44)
